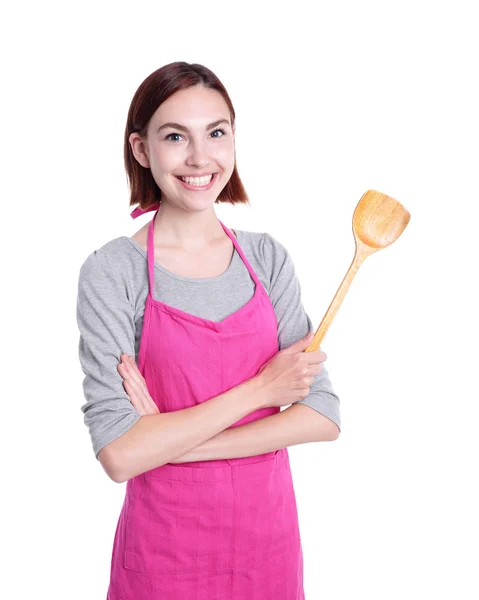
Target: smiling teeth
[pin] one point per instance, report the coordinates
(199, 181)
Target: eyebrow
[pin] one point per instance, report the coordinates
(183, 128)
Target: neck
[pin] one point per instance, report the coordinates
(187, 230)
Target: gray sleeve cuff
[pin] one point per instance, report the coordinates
(325, 403)
(102, 439)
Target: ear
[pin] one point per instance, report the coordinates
(138, 147)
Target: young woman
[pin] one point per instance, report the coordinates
(192, 339)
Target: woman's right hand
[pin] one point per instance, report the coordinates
(287, 377)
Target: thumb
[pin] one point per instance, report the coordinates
(302, 343)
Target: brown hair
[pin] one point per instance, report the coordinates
(154, 90)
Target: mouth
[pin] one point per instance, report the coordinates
(198, 183)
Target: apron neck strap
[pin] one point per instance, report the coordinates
(141, 211)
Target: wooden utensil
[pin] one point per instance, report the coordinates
(378, 221)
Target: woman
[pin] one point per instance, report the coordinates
(191, 342)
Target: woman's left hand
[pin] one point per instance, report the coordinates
(135, 386)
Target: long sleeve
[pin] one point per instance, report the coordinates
(294, 323)
(105, 317)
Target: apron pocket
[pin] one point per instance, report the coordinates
(182, 525)
(192, 520)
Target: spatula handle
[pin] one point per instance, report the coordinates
(361, 253)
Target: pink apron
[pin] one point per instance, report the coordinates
(207, 530)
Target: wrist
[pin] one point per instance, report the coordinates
(256, 394)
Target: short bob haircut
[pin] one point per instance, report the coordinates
(154, 90)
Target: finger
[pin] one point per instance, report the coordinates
(135, 367)
(140, 381)
(133, 373)
(131, 387)
(134, 385)
(133, 397)
(137, 377)
(315, 369)
(142, 406)
(318, 356)
(125, 368)
(141, 402)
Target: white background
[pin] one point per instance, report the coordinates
(332, 99)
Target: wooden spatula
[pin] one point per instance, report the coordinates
(378, 221)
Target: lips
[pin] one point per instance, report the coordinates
(197, 187)
(196, 175)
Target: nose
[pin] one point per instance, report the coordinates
(198, 154)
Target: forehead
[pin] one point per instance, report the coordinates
(193, 106)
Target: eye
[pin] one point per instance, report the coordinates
(223, 132)
(168, 136)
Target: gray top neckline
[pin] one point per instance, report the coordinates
(224, 275)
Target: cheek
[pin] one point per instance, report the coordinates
(166, 161)
(225, 154)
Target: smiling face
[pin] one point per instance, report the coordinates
(190, 134)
